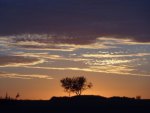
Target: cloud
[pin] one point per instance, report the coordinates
(80, 21)
(14, 61)
(105, 55)
(48, 42)
(50, 38)
(103, 62)
(110, 69)
(23, 76)
(121, 41)
(115, 55)
(43, 55)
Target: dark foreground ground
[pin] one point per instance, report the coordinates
(77, 104)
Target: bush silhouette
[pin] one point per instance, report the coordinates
(75, 84)
(17, 96)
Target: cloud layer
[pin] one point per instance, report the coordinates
(105, 55)
(80, 21)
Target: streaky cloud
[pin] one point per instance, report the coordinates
(15, 61)
(23, 76)
(118, 70)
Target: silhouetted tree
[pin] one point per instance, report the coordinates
(67, 84)
(75, 84)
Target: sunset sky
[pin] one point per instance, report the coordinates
(43, 41)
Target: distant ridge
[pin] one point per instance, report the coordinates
(77, 104)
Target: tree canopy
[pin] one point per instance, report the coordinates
(75, 84)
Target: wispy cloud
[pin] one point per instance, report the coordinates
(104, 55)
(118, 70)
(6, 61)
(23, 76)
(115, 55)
(48, 42)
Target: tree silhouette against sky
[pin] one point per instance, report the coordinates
(75, 84)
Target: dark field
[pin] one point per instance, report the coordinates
(77, 104)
